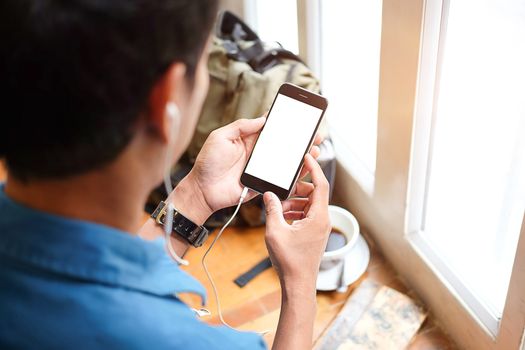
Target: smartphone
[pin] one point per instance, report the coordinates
(286, 137)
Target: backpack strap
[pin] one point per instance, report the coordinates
(231, 27)
(270, 58)
(232, 30)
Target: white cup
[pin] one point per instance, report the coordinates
(346, 223)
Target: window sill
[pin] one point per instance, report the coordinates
(485, 317)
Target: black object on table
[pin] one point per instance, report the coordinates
(246, 277)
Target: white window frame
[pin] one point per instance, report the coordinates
(432, 42)
(391, 211)
(434, 28)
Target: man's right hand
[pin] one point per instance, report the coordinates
(296, 250)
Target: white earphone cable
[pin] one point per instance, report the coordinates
(203, 261)
(174, 115)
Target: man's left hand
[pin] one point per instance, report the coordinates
(216, 174)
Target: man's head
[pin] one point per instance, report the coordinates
(81, 80)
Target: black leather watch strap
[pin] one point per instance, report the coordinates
(191, 232)
(246, 277)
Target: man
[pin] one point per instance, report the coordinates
(95, 94)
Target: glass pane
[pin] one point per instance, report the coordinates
(350, 53)
(476, 190)
(277, 21)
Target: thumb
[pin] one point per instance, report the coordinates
(244, 127)
(274, 209)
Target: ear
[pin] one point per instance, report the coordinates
(169, 88)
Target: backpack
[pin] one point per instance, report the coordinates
(245, 75)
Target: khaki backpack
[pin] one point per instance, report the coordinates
(245, 74)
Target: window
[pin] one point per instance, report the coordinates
(347, 58)
(474, 200)
(441, 186)
(274, 20)
(350, 39)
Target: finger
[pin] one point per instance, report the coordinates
(251, 195)
(294, 215)
(303, 189)
(243, 127)
(274, 211)
(294, 204)
(318, 139)
(303, 173)
(319, 196)
(315, 151)
(249, 142)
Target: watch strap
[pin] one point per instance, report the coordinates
(191, 232)
(246, 277)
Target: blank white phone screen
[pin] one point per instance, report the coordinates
(281, 145)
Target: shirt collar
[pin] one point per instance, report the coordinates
(89, 251)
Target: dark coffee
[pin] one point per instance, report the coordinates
(336, 240)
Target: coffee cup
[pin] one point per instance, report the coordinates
(344, 235)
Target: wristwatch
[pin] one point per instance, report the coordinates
(191, 232)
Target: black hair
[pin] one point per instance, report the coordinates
(75, 75)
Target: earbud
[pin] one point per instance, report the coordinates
(173, 113)
(172, 109)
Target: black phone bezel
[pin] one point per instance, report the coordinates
(302, 95)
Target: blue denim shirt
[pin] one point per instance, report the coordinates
(68, 283)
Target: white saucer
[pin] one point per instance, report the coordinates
(356, 262)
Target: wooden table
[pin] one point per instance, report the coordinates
(256, 306)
